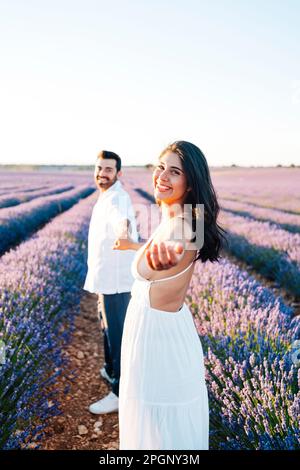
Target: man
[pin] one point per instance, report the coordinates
(109, 272)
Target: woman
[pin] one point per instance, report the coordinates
(163, 401)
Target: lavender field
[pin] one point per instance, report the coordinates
(248, 330)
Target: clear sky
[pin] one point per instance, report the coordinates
(79, 76)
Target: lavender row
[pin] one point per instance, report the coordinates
(290, 207)
(272, 251)
(17, 223)
(247, 334)
(41, 283)
(284, 220)
(26, 196)
(276, 188)
(6, 191)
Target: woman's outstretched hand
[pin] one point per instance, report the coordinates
(162, 255)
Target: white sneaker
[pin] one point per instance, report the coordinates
(105, 375)
(108, 404)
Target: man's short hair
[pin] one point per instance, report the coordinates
(106, 154)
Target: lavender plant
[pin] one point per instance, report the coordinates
(41, 284)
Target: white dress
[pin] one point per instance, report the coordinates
(163, 400)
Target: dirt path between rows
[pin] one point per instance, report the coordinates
(76, 428)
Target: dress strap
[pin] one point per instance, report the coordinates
(175, 275)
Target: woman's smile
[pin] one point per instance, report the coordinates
(162, 188)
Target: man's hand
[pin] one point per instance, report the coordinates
(164, 255)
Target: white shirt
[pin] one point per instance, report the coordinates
(109, 270)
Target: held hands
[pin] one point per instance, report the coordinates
(163, 255)
(123, 244)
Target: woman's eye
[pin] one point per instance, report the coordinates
(174, 172)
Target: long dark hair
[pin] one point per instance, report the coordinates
(202, 192)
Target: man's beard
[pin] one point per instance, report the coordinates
(106, 182)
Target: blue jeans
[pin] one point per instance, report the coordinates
(112, 310)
